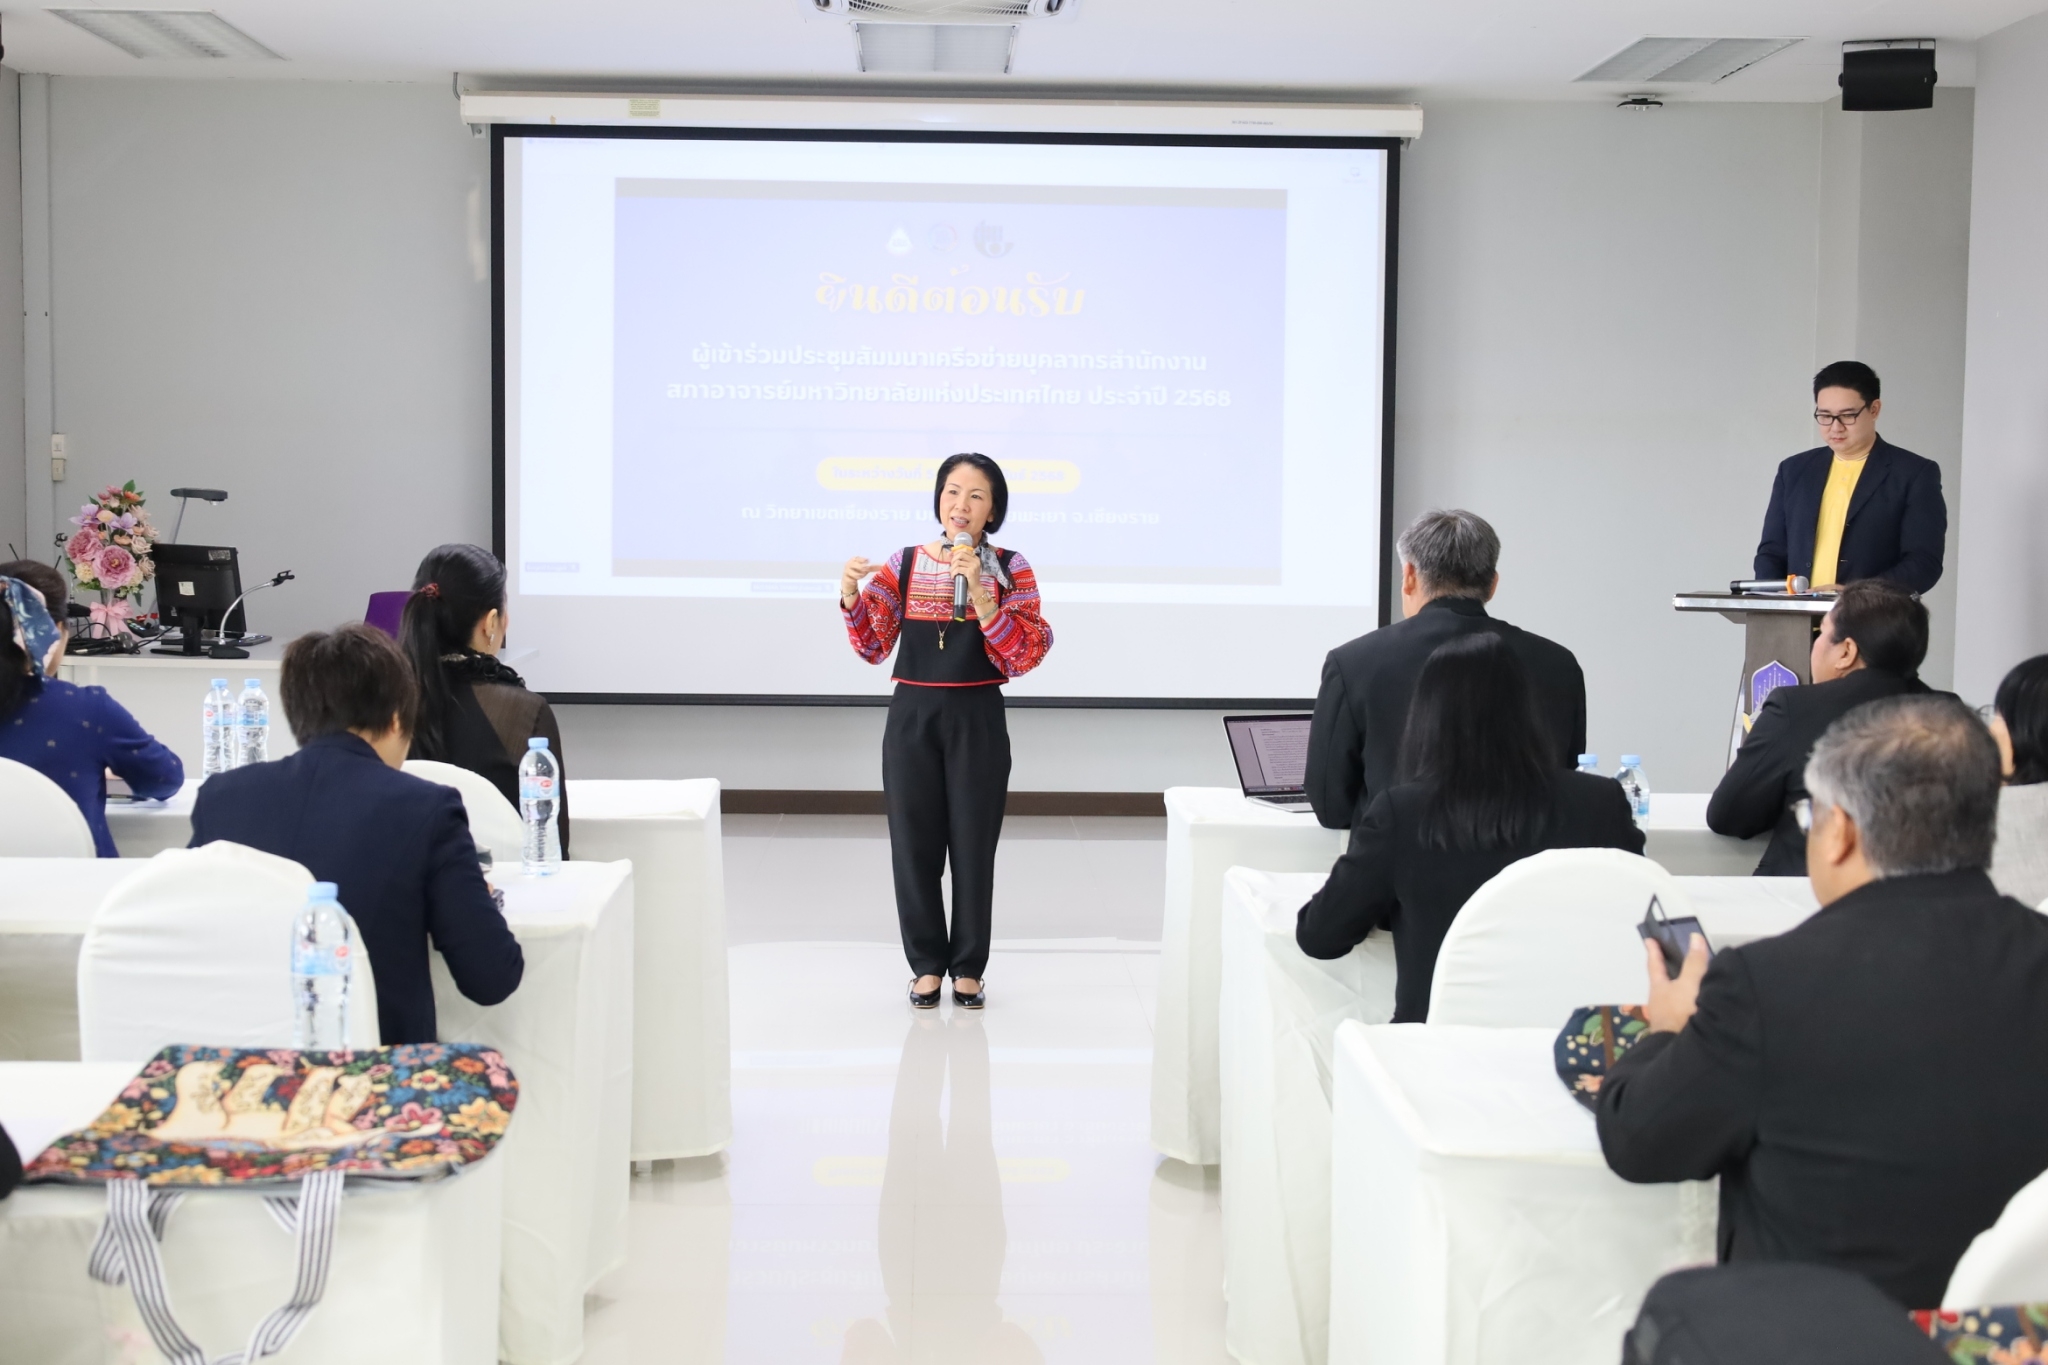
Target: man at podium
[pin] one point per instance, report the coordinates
(1858, 506)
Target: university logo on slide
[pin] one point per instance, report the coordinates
(988, 240)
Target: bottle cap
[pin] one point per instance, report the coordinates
(220, 682)
(1589, 760)
(256, 683)
(323, 891)
(1631, 760)
(537, 742)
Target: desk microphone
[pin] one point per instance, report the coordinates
(960, 579)
(1795, 583)
(221, 648)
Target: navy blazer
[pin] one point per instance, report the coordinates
(399, 850)
(1897, 526)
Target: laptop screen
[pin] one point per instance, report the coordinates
(1271, 753)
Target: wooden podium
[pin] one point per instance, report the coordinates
(1777, 648)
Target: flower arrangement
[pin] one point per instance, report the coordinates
(110, 552)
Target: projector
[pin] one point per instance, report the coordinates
(1890, 73)
(943, 11)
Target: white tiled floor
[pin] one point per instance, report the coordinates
(972, 1190)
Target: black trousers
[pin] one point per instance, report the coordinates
(945, 777)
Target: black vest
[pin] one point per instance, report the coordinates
(963, 660)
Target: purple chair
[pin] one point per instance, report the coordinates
(385, 611)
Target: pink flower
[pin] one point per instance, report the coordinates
(83, 545)
(116, 567)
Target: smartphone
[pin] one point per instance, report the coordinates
(1672, 935)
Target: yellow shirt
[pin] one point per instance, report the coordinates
(1834, 513)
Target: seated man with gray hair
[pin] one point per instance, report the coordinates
(1866, 1086)
(1448, 575)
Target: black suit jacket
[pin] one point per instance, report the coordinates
(398, 849)
(1354, 740)
(1389, 880)
(1863, 1085)
(1759, 789)
(1897, 526)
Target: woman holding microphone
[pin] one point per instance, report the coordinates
(946, 750)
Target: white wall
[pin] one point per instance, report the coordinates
(1607, 324)
(13, 469)
(273, 289)
(2004, 611)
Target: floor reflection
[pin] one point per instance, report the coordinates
(942, 1158)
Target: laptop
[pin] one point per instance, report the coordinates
(1272, 758)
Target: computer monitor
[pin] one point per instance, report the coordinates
(200, 579)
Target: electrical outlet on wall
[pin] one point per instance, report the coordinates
(59, 462)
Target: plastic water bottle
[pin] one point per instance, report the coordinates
(1635, 787)
(540, 848)
(1589, 763)
(322, 966)
(218, 718)
(252, 724)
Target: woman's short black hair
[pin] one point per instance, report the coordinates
(348, 678)
(998, 486)
(2023, 703)
(1474, 737)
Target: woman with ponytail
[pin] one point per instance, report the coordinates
(71, 735)
(475, 712)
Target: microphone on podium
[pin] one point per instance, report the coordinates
(1793, 584)
(960, 579)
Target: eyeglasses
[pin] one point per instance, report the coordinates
(1988, 712)
(1839, 419)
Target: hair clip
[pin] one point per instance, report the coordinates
(431, 590)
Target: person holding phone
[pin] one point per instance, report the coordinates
(1478, 788)
(961, 617)
(1831, 1075)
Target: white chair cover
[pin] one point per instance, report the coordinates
(195, 947)
(1549, 934)
(2008, 1261)
(42, 822)
(493, 823)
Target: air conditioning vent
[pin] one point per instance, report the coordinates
(167, 33)
(939, 9)
(952, 49)
(1696, 61)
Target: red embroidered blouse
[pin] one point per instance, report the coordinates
(1015, 640)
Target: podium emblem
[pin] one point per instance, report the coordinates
(1767, 680)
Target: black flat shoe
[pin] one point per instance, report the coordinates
(925, 1000)
(969, 1002)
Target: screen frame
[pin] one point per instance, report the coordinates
(1390, 235)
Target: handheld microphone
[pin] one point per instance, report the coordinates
(960, 579)
(1795, 583)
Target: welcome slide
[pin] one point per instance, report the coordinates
(731, 364)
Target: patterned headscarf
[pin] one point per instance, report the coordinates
(35, 634)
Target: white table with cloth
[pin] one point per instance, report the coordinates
(1473, 1219)
(567, 1030)
(1280, 1012)
(669, 831)
(1212, 829)
(1280, 1009)
(407, 1265)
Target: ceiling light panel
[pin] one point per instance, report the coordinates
(1687, 61)
(951, 49)
(167, 34)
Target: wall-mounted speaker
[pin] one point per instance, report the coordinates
(1889, 77)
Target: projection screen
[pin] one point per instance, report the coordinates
(729, 361)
